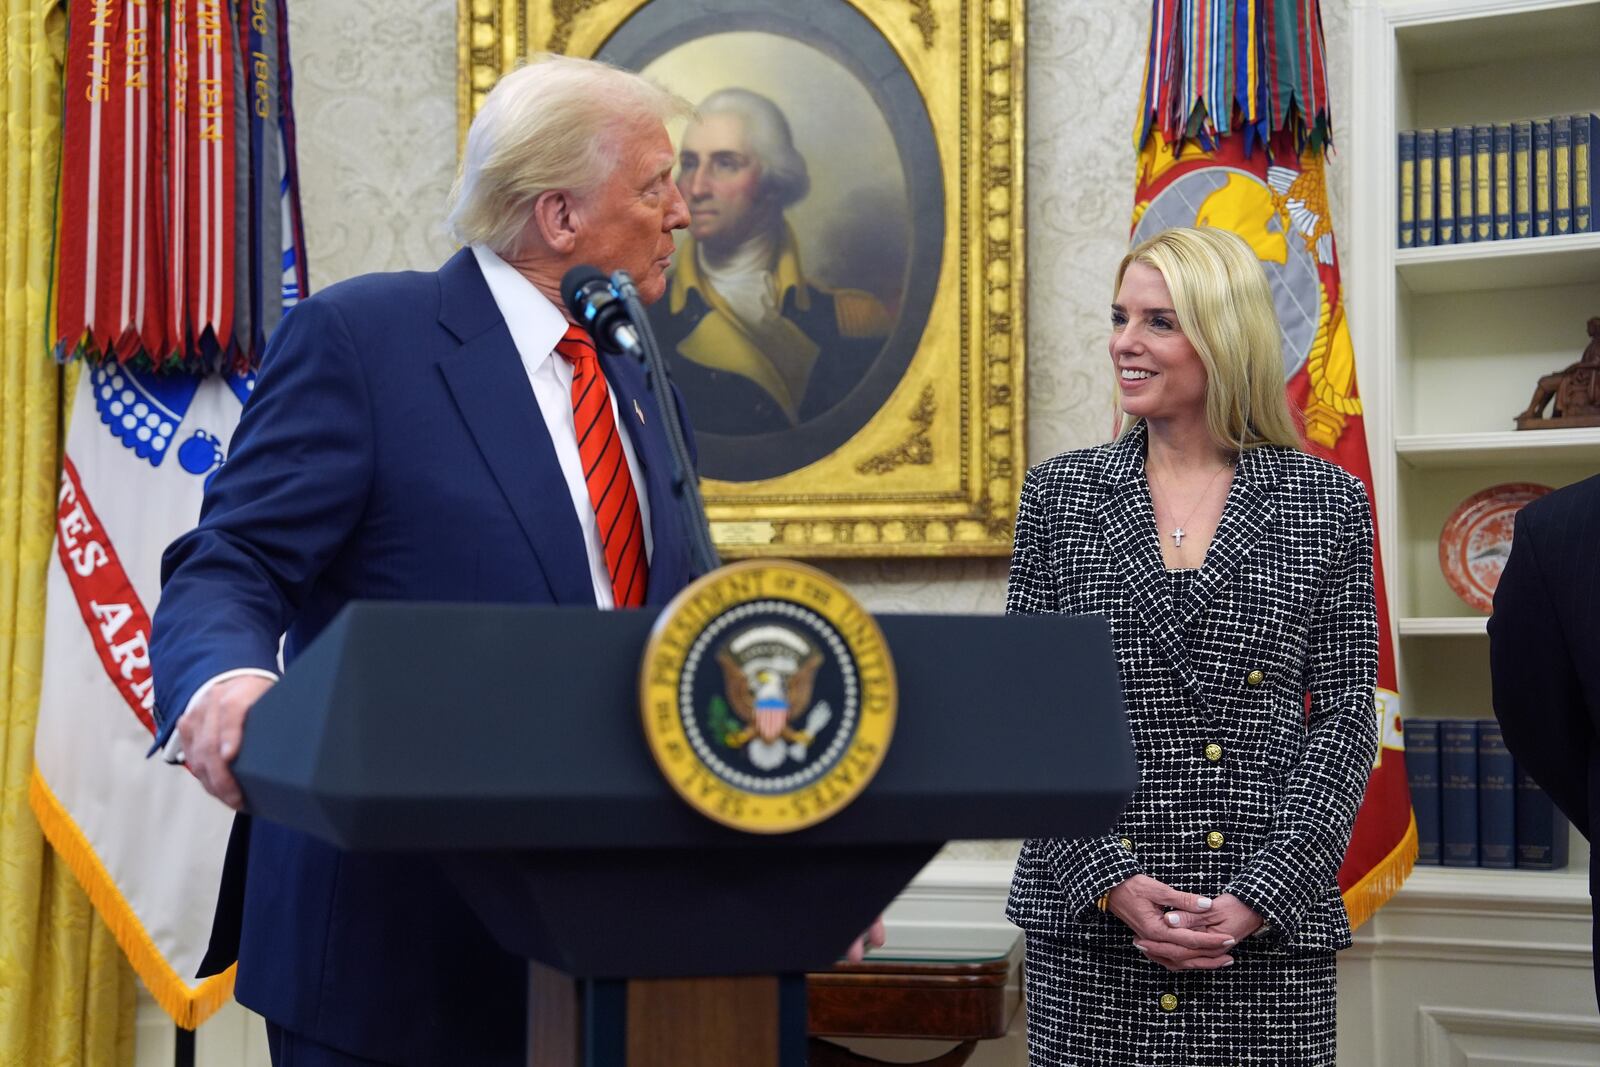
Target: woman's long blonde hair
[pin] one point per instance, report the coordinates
(1225, 309)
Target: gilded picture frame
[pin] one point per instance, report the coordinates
(912, 242)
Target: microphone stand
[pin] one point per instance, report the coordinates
(685, 479)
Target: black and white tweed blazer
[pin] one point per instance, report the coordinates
(1242, 789)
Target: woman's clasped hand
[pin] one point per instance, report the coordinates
(1181, 931)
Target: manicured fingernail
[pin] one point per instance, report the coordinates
(1202, 903)
(1230, 943)
(227, 750)
(1172, 917)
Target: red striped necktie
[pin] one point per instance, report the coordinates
(605, 471)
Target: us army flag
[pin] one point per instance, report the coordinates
(179, 244)
(143, 838)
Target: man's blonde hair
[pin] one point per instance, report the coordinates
(1224, 307)
(552, 123)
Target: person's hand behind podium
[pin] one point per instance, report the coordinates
(211, 731)
(875, 936)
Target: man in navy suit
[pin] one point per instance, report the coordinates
(1544, 654)
(417, 436)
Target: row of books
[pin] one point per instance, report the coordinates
(1474, 806)
(1497, 182)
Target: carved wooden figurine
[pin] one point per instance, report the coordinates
(1576, 391)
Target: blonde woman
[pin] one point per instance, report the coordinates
(1236, 572)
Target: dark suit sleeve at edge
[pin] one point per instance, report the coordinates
(1536, 691)
(291, 492)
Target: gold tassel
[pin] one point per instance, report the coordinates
(188, 1007)
(1362, 900)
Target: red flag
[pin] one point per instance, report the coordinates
(207, 176)
(1248, 91)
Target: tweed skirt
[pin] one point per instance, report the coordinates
(1098, 1004)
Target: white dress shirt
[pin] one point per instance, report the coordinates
(535, 325)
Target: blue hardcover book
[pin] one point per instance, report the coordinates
(1497, 807)
(1426, 199)
(1422, 771)
(1522, 179)
(1541, 828)
(1561, 172)
(1408, 188)
(1444, 187)
(1585, 135)
(1458, 792)
(1543, 219)
(1464, 184)
(1462, 139)
(1483, 183)
(1504, 174)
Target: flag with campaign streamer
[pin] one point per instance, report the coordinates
(1232, 130)
(178, 247)
(179, 239)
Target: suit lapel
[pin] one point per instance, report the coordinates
(641, 420)
(1127, 521)
(490, 386)
(1246, 516)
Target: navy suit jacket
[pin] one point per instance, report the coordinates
(393, 449)
(1543, 639)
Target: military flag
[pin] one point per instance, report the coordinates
(1233, 127)
(178, 246)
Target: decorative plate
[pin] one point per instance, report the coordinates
(1476, 540)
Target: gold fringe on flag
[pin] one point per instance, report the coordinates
(1362, 900)
(188, 1006)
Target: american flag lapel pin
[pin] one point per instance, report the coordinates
(639, 411)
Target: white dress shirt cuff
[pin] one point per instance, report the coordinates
(172, 751)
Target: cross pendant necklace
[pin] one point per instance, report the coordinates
(1178, 532)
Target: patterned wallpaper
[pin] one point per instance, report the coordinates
(374, 93)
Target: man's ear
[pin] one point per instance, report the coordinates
(555, 219)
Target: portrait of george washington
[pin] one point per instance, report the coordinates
(755, 345)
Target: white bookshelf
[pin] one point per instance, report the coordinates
(1451, 340)
(1450, 343)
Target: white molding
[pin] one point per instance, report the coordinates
(1368, 277)
(953, 906)
(943, 877)
(1407, 14)
(1565, 891)
(1526, 263)
(1458, 450)
(1555, 1034)
(1444, 627)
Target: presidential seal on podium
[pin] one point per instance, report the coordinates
(768, 696)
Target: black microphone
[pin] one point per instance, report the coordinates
(595, 304)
